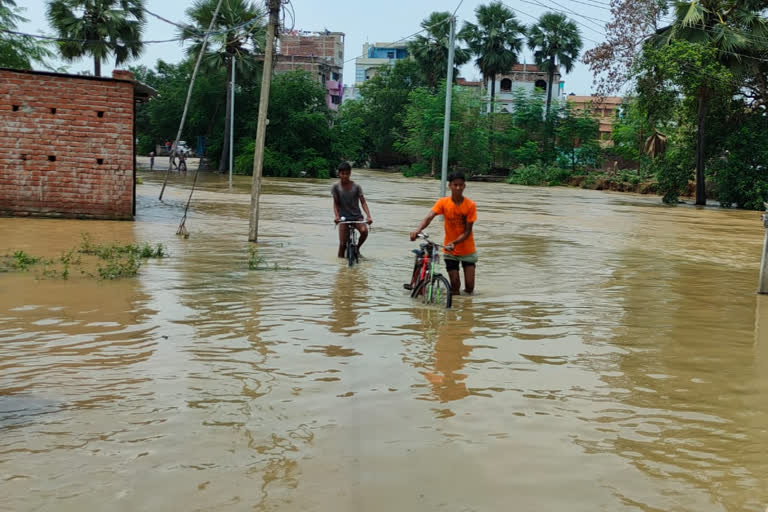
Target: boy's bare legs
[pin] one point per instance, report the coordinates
(453, 275)
(363, 229)
(342, 238)
(469, 278)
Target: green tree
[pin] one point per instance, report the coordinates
(430, 51)
(18, 52)
(98, 29)
(422, 138)
(384, 100)
(732, 33)
(239, 34)
(693, 71)
(495, 41)
(352, 140)
(577, 139)
(158, 119)
(555, 41)
(299, 139)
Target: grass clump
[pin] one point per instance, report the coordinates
(113, 261)
(256, 262)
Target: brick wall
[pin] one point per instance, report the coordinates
(66, 145)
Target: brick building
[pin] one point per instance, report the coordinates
(67, 144)
(319, 53)
(603, 109)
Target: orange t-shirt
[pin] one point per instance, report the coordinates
(457, 216)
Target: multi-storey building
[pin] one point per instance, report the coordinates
(319, 53)
(374, 57)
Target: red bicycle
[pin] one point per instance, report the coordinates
(426, 281)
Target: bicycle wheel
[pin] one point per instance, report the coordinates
(439, 292)
(351, 253)
(420, 290)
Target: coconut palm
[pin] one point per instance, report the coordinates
(98, 28)
(555, 41)
(737, 30)
(495, 41)
(238, 32)
(430, 51)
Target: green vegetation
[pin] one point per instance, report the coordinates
(112, 261)
(241, 30)
(17, 51)
(98, 29)
(256, 262)
(697, 109)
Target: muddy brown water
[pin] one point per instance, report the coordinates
(614, 357)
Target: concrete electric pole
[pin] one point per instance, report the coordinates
(261, 125)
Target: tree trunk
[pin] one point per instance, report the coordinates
(432, 166)
(224, 161)
(491, 145)
(549, 85)
(550, 133)
(96, 66)
(701, 190)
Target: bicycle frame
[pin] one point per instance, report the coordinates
(351, 233)
(426, 268)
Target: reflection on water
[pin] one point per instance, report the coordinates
(614, 357)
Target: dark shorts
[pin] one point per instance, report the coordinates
(452, 262)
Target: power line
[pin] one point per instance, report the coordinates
(539, 4)
(407, 37)
(66, 40)
(197, 34)
(537, 19)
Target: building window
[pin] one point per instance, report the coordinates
(541, 84)
(335, 76)
(506, 85)
(390, 55)
(336, 100)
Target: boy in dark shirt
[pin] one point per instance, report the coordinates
(347, 199)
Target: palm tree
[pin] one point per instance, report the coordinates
(555, 41)
(737, 30)
(430, 51)
(239, 33)
(495, 41)
(98, 28)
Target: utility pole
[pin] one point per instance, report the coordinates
(261, 125)
(447, 122)
(189, 95)
(762, 287)
(231, 121)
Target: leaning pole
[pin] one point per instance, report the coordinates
(447, 121)
(261, 125)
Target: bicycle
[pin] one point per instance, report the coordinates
(426, 280)
(351, 252)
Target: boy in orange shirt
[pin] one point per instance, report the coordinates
(460, 214)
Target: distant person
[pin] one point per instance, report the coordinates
(152, 160)
(182, 162)
(460, 214)
(347, 199)
(168, 146)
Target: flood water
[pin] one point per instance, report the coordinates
(614, 357)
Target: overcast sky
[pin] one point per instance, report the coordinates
(361, 21)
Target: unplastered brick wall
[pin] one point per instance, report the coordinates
(66, 145)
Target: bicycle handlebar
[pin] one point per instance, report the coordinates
(426, 237)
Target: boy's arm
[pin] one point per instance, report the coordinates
(364, 204)
(464, 236)
(336, 218)
(423, 225)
